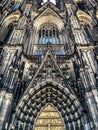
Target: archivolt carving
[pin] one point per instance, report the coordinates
(47, 16)
(45, 19)
(84, 17)
(36, 98)
(7, 21)
(10, 18)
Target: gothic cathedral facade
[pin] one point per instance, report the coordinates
(49, 65)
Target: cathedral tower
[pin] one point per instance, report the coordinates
(48, 65)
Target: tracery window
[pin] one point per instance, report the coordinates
(48, 33)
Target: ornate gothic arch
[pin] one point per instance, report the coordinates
(48, 15)
(84, 17)
(44, 19)
(12, 17)
(36, 99)
(7, 22)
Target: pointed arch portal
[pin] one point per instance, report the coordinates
(35, 99)
(49, 119)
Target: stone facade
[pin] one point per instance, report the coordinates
(48, 65)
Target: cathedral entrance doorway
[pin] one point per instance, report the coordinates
(49, 106)
(49, 119)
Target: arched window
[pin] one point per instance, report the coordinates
(48, 33)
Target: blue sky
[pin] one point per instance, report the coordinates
(53, 1)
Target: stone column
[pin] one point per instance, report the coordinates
(87, 76)
(5, 108)
(93, 110)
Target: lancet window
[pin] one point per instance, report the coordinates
(48, 33)
(8, 32)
